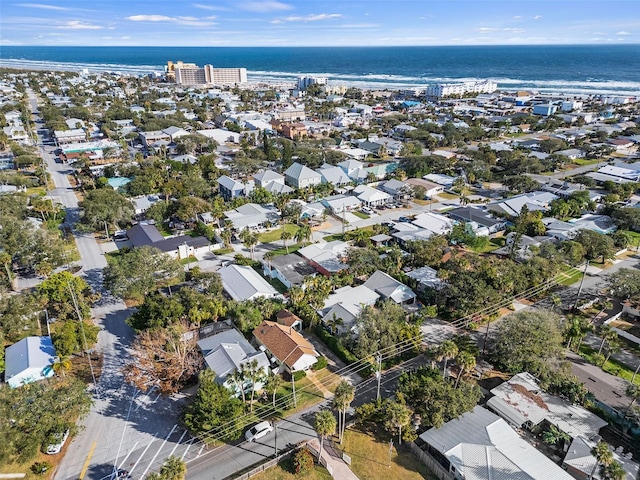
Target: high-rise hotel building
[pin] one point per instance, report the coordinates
(191, 74)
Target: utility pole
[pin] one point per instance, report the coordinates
(46, 317)
(379, 374)
(84, 338)
(584, 274)
(635, 373)
(275, 429)
(106, 230)
(293, 383)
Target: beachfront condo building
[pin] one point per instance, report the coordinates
(305, 82)
(440, 90)
(191, 74)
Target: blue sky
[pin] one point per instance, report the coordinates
(318, 22)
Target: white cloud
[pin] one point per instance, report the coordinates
(43, 6)
(190, 21)
(487, 30)
(359, 25)
(213, 8)
(268, 6)
(78, 25)
(537, 17)
(309, 18)
(517, 17)
(623, 34)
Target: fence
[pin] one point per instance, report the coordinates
(430, 462)
(263, 466)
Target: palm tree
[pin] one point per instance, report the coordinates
(607, 334)
(267, 258)
(238, 379)
(446, 352)
(554, 436)
(273, 384)
(285, 236)
(614, 471)
(303, 234)
(344, 395)
(249, 240)
(603, 455)
(6, 260)
(325, 424)
(226, 235)
(633, 392)
(466, 362)
(61, 365)
(173, 469)
(398, 416)
(254, 373)
(334, 323)
(613, 347)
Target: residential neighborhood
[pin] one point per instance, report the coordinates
(452, 273)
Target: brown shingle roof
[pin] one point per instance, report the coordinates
(286, 344)
(286, 318)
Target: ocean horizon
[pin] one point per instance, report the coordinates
(562, 69)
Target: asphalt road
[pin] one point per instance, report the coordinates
(122, 420)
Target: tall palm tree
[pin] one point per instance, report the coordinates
(614, 471)
(614, 346)
(334, 322)
(249, 240)
(285, 236)
(344, 395)
(603, 455)
(466, 362)
(446, 352)
(6, 260)
(398, 416)
(324, 425)
(607, 334)
(255, 374)
(273, 384)
(238, 378)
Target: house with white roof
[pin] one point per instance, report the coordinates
(242, 283)
(227, 352)
(389, 288)
(582, 464)
(327, 258)
(434, 222)
(252, 216)
(272, 182)
(441, 179)
(221, 135)
(300, 176)
(522, 403)
(479, 445)
(341, 203)
(345, 304)
(333, 175)
(370, 196)
(534, 201)
(29, 360)
(426, 277)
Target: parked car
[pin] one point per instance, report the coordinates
(366, 210)
(258, 431)
(405, 219)
(56, 447)
(120, 474)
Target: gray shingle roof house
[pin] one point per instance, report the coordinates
(244, 283)
(299, 176)
(479, 445)
(147, 235)
(228, 351)
(390, 288)
(29, 360)
(230, 188)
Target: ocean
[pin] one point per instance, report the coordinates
(577, 69)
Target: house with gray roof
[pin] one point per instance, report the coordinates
(244, 283)
(227, 352)
(290, 269)
(145, 234)
(389, 288)
(230, 188)
(426, 277)
(333, 175)
(299, 176)
(252, 216)
(29, 360)
(479, 445)
(327, 258)
(582, 464)
(345, 304)
(534, 201)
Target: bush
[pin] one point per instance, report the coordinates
(297, 376)
(320, 364)
(333, 344)
(40, 468)
(302, 462)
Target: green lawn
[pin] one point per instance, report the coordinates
(274, 282)
(283, 470)
(360, 214)
(190, 259)
(274, 235)
(585, 161)
(492, 245)
(571, 276)
(335, 236)
(283, 251)
(611, 366)
(370, 459)
(223, 251)
(447, 196)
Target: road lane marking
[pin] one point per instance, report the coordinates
(179, 442)
(83, 472)
(189, 443)
(158, 452)
(130, 452)
(142, 455)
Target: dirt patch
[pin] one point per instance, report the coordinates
(526, 393)
(81, 368)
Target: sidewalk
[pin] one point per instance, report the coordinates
(318, 384)
(626, 358)
(335, 465)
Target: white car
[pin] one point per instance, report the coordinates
(56, 447)
(258, 431)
